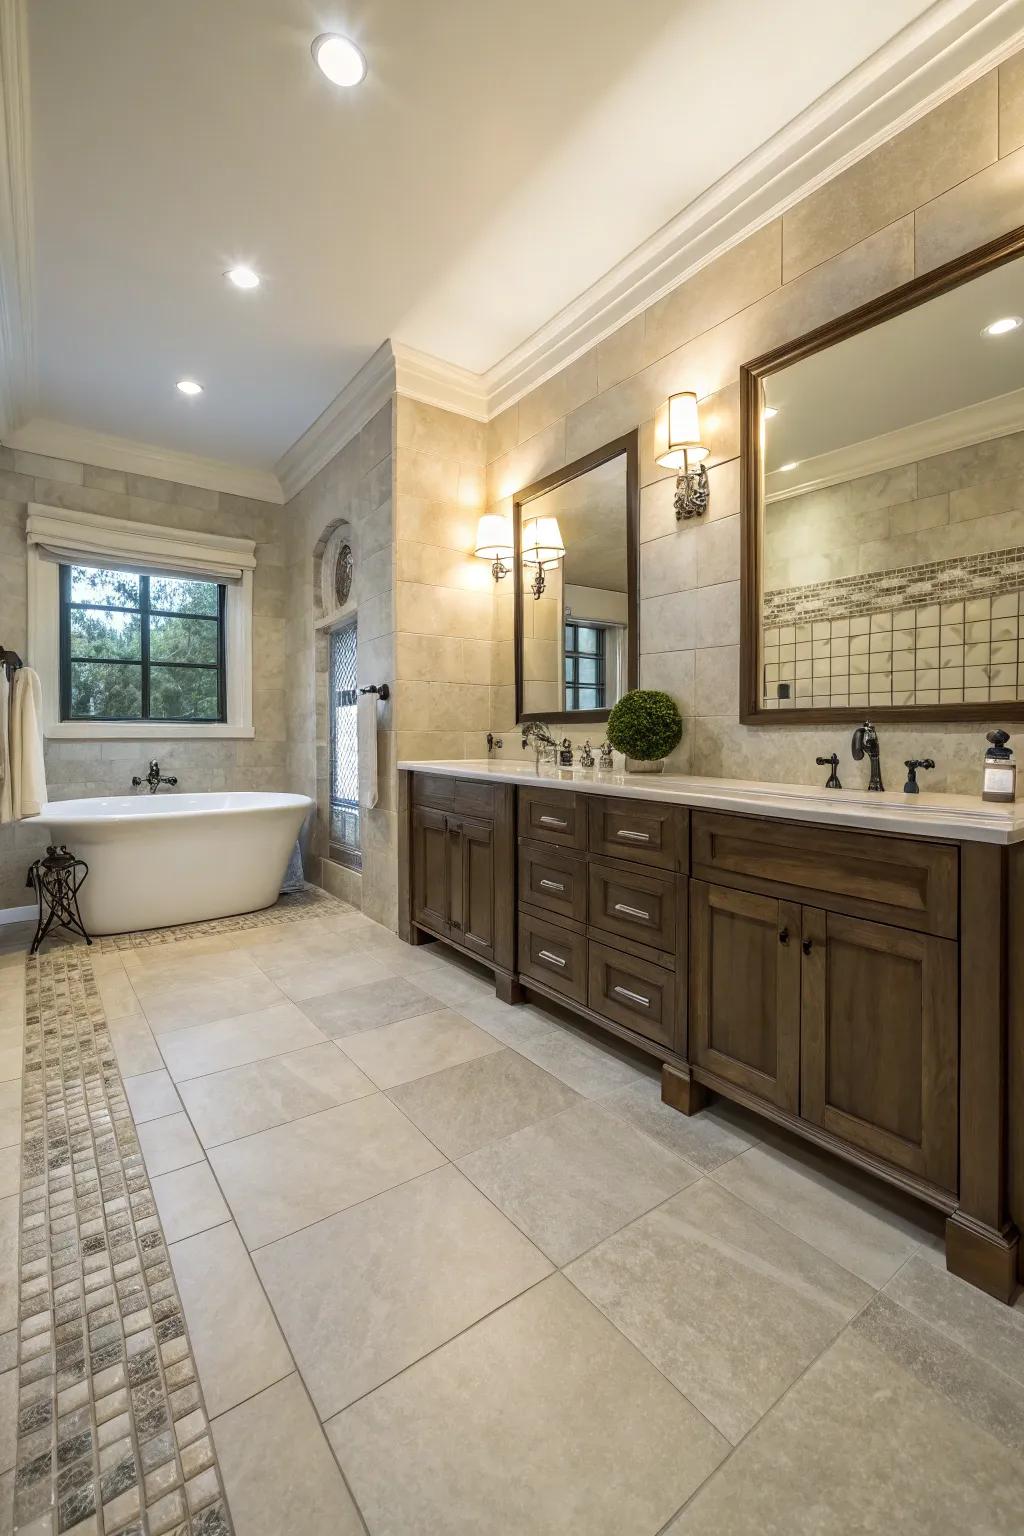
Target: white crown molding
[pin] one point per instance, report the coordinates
(978, 423)
(17, 304)
(57, 440)
(952, 44)
(422, 377)
(348, 412)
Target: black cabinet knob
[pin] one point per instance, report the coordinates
(807, 946)
(783, 935)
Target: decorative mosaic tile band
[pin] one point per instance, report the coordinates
(113, 1438)
(311, 901)
(938, 581)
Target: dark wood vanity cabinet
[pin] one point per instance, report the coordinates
(745, 990)
(860, 988)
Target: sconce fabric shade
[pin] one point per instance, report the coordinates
(494, 537)
(677, 431)
(542, 542)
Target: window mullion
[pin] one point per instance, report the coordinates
(144, 598)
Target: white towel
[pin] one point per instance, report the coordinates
(366, 737)
(28, 773)
(6, 803)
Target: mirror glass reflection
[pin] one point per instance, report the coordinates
(575, 594)
(892, 558)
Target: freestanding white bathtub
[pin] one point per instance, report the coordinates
(160, 859)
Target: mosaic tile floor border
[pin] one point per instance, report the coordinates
(311, 901)
(113, 1437)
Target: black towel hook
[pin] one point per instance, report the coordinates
(382, 690)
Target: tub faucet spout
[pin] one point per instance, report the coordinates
(153, 779)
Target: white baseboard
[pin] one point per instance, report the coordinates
(17, 914)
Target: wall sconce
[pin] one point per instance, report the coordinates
(542, 547)
(494, 543)
(676, 443)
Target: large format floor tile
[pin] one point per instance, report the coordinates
(10, 1113)
(540, 1419)
(365, 1293)
(151, 1095)
(355, 1009)
(572, 1180)
(859, 1444)
(189, 1201)
(261, 1094)
(814, 1199)
(707, 1140)
(169, 1143)
(8, 1263)
(399, 1053)
(230, 1042)
(180, 1005)
(286, 1178)
(730, 1306)
(135, 1045)
(964, 1315)
(585, 1067)
(238, 1346)
(470, 1105)
(279, 1473)
(301, 979)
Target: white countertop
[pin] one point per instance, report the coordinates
(961, 817)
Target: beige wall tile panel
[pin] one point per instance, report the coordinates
(1011, 104)
(726, 285)
(557, 396)
(972, 213)
(946, 146)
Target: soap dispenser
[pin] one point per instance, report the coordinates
(999, 779)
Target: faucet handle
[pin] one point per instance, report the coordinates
(912, 764)
(832, 782)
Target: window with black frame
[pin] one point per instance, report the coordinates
(586, 666)
(136, 646)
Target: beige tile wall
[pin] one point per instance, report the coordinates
(355, 488)
(86, 768)
(934, 191)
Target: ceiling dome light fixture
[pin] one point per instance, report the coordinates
(243, 277)
(189, 387)
(339, 59)
(1003, 326)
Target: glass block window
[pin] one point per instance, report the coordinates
(585, 666)
(136, 646)
(344, 809)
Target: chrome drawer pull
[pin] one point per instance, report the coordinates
(545, 954)
(634, 837)
(551, 885)
(552, 821)
(620, 906)
(634, 997)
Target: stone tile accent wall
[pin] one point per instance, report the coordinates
(85, 768)
(355, 488)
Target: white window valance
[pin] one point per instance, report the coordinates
(86, 539)
(57, 535)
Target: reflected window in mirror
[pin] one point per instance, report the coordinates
(886, 507)
(576, 591)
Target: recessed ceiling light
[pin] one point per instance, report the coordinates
(189, 387)
(243, 277)
(770, 411)
(1000, 327)
(340, 59)
(785, 468)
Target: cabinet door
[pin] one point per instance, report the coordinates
(879, 1041)
(430, 869)
(745, 997)
(471, 882)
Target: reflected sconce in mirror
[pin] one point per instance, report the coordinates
(677, 444)
(542, 547)
(494, 543)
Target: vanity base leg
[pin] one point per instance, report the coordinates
(419, 936)
(682, 1091)
(982, 1256)
(507, 988)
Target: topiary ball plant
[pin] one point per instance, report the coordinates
(645, 724)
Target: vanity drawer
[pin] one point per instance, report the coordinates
(633, 992)
(900, 880)
(553, 878)
(553, 955)
(468, 797)
(642, 832)
(553, 816)
(635, 904)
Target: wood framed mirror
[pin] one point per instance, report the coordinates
(577, 615)
(883, 506)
